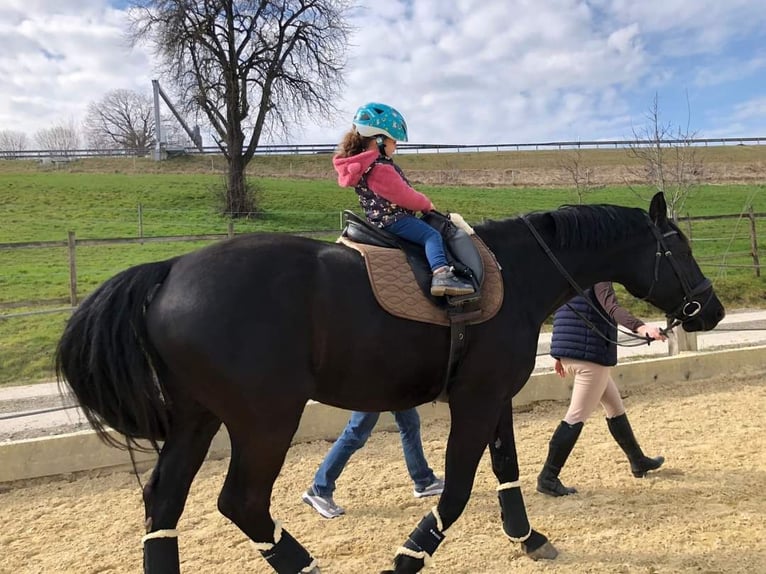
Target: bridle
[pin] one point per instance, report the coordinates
(686, 310)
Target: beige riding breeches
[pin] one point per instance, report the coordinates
(593, 384)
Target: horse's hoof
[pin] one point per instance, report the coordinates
(545, 552)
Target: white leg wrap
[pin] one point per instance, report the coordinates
(439, 523)
(412, 554)
(522, 539)
(264, 546)
(167, 533)
(507, 485)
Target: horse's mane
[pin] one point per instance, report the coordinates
(585, 226)
(595, 226)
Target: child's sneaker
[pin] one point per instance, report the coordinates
(447, 283)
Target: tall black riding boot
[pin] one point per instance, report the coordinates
(640, 464)
(561, 444)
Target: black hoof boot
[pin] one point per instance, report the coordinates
(161, 556)
(404, 564)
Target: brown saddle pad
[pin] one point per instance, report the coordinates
(397, 291)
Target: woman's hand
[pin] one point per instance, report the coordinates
(651, 332)
(559, 368)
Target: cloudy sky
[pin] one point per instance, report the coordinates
(461, 71)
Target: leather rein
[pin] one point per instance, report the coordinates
(687, 309)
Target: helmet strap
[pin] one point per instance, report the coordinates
(381, 141)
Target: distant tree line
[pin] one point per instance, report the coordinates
(121, 119)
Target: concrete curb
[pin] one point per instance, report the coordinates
(81, 451)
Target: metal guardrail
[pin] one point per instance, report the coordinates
(62, 156)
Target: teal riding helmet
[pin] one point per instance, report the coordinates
(374, 119)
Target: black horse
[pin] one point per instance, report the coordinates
(245, 331)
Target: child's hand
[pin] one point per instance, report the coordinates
(559, 368)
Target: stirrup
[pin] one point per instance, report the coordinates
(458, 300)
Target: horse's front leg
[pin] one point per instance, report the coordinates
(473, 423)
(513, 513)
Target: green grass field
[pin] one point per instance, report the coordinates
(127, 197)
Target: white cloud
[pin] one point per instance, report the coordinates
(746, 117)
(462, 71)
(682, 27)
(57, 57)
(473, 71)
(728, 70)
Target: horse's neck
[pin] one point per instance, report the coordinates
(532, 276)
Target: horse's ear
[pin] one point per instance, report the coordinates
(658, 209)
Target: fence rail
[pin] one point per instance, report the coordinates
(71, 244)
(63, 156)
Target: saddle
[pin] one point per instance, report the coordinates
(388, 259)
(408, 295)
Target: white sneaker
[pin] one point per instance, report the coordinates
(324, 505)
(433, 489)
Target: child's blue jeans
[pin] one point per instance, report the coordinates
(418, 231)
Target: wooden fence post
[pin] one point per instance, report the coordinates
(230, 229)
(71, 245)
(141, 222)
(680, 341)
(754, 241)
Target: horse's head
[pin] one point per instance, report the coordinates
(677, 285)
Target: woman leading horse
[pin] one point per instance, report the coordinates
(244, 332)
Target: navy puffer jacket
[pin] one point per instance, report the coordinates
(573, 339)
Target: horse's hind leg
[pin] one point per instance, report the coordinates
(513, 513)
(258, 450)
(165, 493)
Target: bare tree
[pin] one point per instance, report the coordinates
(667, 158)
(11, 143)
(249, 66)
(577, 173)
(59, 139)
(122, 119)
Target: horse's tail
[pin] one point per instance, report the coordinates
(106, 359)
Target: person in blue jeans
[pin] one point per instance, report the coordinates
(320, 494)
